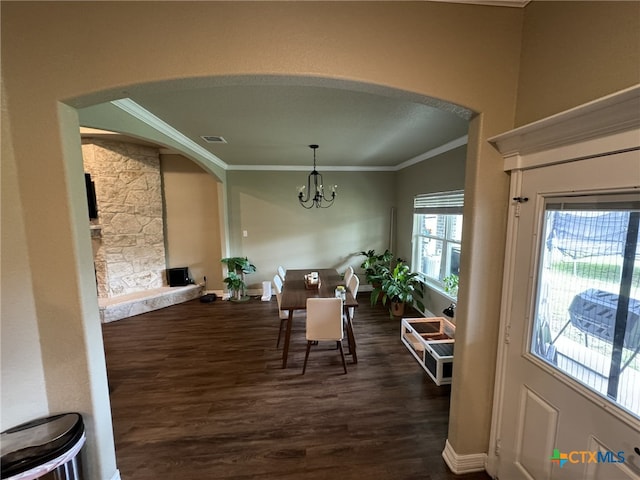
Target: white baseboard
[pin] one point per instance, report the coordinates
(116, 476)
(460, 464)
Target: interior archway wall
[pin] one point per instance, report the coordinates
(467, 55)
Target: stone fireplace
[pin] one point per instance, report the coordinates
(128, 235)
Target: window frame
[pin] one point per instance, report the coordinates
(448, 204)
(556, 202)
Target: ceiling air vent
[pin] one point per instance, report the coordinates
(213, 139)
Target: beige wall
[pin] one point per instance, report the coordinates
(281, 232)
(23, 393)
(574, 52)
(192, 219)
(442, 173)
(464, 54)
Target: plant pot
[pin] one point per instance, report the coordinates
(241, 299)
(238, 296)
(397, 309)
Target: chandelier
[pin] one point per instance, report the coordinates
(313, 194)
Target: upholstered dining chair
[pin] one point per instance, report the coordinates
(324, 323)
(283, 314)
(281, 272)
(348, 273)
(353, 286)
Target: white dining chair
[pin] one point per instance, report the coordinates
(324, 323)
(348, 273)
(353, 286)
(281, 272)
(283, 314)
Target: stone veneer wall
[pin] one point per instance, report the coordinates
(128, 237)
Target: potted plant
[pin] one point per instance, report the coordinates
(237, 268)
(376, 266)
(400, 287)
(451, 284)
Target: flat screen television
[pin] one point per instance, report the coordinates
(91, 196)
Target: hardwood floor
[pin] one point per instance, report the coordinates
(198, 392)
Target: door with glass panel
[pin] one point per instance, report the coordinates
(571, 397)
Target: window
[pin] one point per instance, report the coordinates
(437, 235)
(587, 318)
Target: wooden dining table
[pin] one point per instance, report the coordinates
(295, 294)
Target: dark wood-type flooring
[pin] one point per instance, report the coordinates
(198, 392)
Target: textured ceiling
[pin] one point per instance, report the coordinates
(270, 122)
(272, 125)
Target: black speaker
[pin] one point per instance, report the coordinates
(178, 277)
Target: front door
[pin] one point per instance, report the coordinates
(570, 402)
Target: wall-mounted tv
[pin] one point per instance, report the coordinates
(91, 197)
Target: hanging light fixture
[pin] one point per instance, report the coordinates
(313, 194)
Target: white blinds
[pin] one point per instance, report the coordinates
(443, 203)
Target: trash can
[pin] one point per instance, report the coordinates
(266, 291)
(45, 448)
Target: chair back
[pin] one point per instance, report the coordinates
(277, 281)
(283, 314)
(281, 272)
(348, 273)
(353, 286)
(324, 319)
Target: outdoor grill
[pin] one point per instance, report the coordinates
(594, 312)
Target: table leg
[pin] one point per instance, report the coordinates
(351, 337)
(287, 337)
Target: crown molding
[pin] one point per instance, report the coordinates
(144, 115)
(491, 3)
(458, 142)
(306, 168)
(616, 115)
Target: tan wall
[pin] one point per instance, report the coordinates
(23, 393)
(192, 220)
(574, 52)
(281, 232)
(461, 53)
(438, 174)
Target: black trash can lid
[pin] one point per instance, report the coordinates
(39, 441)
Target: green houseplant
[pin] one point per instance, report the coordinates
(237, 268)
(376, 266)
(451, 284)
(400, 287)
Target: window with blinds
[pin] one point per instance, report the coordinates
(437, 236)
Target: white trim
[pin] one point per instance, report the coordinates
(116, 475)
(460, 464)
(458, 142)
(491, 3)
(307, 168)
(614, 116)
(142, 114)
(508, 276)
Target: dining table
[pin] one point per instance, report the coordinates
(295, 293)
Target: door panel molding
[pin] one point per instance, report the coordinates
(536, 433)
